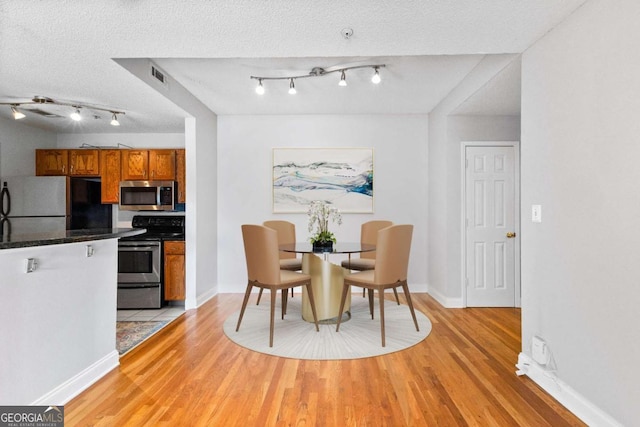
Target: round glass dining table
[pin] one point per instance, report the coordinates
(326, 278)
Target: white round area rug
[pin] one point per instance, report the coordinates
(358, 337)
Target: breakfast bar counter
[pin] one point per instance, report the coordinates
(32, 236)
(59, 289)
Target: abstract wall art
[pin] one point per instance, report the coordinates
(340, 176)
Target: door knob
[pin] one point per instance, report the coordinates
(511, 235)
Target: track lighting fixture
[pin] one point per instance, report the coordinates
(76, 116)
(343, 79)
(317, 72)
(43, 101)
(17, 114)
(376, 76)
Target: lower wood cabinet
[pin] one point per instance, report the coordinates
(174, 277)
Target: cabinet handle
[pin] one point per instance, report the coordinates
(63, 168)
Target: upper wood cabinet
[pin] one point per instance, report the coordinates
(162, 165)
(135, 165)
(51, 162)
(181, 175)
(84, 162)
(110, 175)
(156, 165)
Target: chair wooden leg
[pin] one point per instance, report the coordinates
(381, 297)
(244, 304)
(273, 309)
(343, 298)
(291, 292)
(395, 292)
(313, 305)
(283, 303)
(405, 288)
(364, 290)
(259, 296)
(370, 302)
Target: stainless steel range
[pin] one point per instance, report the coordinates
(140, 267)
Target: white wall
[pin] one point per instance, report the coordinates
(446, 133)
(580, 267)
(134, 140)
(245, 193)
(18, 143)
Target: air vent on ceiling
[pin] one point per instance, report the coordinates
(159, 75)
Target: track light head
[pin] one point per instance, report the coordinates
(343, 79)
(260, 88)
(376, 76)
(17, 114)
(76, 115)
(114, 120)
(292, 88)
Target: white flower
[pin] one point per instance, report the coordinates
(320, 213)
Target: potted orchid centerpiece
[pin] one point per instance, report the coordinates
(320, 213)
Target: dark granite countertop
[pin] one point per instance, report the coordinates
(23, 240)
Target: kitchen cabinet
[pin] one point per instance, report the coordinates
(84, 163)
(162, 165)
(135, 165)
(181, 175)
(110, 175)
(51, 162)
(156, 165)
(174, 271)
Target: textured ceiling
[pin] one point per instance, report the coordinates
(64, 49)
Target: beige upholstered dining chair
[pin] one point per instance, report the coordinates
(390, 271)
(264, 272)
(367, 261)
(288, 260)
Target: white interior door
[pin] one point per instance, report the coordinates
(491, 223)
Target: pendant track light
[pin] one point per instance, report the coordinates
(317, 72)
(260, 88)
(76, 116)
(17, 114)
(343, 79)
(376, 76)
(114, 120)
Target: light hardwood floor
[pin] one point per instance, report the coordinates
(190, 374)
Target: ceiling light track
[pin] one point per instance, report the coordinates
(75, 115)
(317, 72)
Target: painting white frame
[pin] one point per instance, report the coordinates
(340, 176)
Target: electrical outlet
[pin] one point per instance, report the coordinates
(540, 351)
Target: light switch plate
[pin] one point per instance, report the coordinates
(536, 213)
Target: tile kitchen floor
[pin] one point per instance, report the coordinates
(165, 313)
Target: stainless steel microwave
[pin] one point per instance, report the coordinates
(148, 195)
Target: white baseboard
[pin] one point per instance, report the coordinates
(563, 393)
(446, 302)
(201, 299)
(80, 382)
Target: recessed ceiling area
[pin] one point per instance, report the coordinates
(57, 49)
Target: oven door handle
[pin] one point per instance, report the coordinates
(139, 247)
